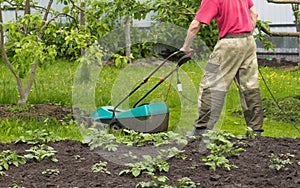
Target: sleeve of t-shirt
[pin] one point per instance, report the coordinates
(207, 11)
(250, 3)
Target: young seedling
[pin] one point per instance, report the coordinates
(221, 148)
(51, 172)
(78, 157)
(100, 167)
(281, 161)
(149, 164)
(41, 152)
(7, 158)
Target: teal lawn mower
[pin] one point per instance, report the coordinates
(147, 117)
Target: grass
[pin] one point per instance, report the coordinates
(55, 84)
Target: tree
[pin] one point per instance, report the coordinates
(25, 43)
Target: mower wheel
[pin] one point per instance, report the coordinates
(115, 126)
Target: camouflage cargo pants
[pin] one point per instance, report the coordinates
(233, 58)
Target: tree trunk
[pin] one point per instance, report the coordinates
(82, 22)
(127, 37)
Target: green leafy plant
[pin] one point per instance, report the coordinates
(156, 181)
(280, 162)
(41, 152)
(249, 133)
(149, 164)
(8, 157)
(221, 148)
(133, 138)
(38, 137)
(120, 60)
(100, 167)
(17, 108)
(161, 182)
(78, 157)
(100, 138)
(16, 186)
(2, 173)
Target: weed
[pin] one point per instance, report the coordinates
(17, 108)
(41, 152)
(100, 167)
(280, 162)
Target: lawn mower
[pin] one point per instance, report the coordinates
(147, 117)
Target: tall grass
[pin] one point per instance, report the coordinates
(52, 84)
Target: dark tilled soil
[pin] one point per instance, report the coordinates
(252, 171)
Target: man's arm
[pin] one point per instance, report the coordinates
(254, 15)
(191, 33)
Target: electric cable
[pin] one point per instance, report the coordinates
(179, 87)
(277, 104)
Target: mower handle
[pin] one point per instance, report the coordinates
(183, 60)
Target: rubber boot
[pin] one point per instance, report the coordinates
(253, 113)
(210, 108)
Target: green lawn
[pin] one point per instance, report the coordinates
(55, 84)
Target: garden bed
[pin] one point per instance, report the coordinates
(76, 159)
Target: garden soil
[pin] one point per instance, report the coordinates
(75, 161)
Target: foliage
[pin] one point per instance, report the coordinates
(41, 152)
(120, 60)
(8, 157)
(149, 164)
(263, 38)
(161, 182)
(181, 14)
(100, 138)
(289, 111)
(133, 138)
(100, 167)
(280, 162)
(38, 137)
(221, 148)
(153, 164)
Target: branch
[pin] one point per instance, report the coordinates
(282, 34)
(284, 1)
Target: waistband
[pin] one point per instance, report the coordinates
(240, 35)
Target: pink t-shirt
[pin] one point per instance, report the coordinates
(232, 16)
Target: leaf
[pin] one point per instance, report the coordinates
(5, 165)
(126, 171)
(136, 172)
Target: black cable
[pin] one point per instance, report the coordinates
(274, 97)
(179, 87)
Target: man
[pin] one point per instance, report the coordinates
(233, 58)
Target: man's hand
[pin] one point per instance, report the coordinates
(188, 51)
